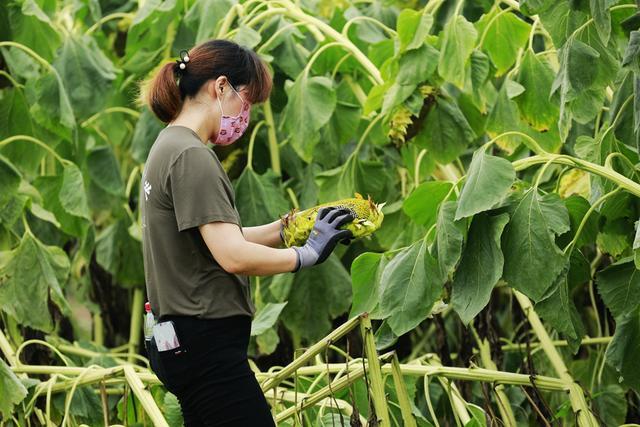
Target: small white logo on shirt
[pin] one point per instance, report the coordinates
(147, 190)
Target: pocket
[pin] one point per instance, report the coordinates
(155, 362)
(176, 368)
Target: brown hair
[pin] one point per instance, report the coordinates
(242, 66)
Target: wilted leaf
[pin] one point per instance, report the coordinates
(311, 103)
(266, 317)
(458, 39)
(528, 243)
(480, 267)
(259, 198)
(34, 272)
(488, 180)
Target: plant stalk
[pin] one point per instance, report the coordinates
(375, 374)
(310, 353)
(145, 398)
(401, 390)
(610, 174)
(274, 151)
(7, 350)
(576, 394)
(506, 413)
(135, 324)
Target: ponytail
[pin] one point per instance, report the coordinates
(162, 94)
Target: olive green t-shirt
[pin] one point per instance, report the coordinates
(183, 185)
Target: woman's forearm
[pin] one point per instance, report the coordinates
(267, 234)
(258, 260)
(236, 254)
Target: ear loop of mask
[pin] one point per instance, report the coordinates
(220, 103)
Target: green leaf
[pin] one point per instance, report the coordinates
(145, 133)
(147, 37)
(422, 204)
(172, 410)
(30, 26)
(375, 97)
(614, 237)
(478, 78)
(505, 117)
(412, 284)
(290, 55)
(361, 176)
(247, 37)
(50, 104)
(631, 56)
(480, 267)
(34, 272)
(81, 61)
(478, 416)
(366, 31)
(266, 317)
(619, 287)
(488, 180)
(12, 210)
(413, 27)
(576, 73)
(559, 18)
(259, 198)
(341, 128)
(458, 41)
(622, 351)
(396, 95)
(366, 270)
(45, 215)
(559, 310)
(577, 206)
(15, 120)
(311, 103)
(417, 65)
(449, 238)
(49, 187)
(446, 132)
(104, 170)
(11, 390)
(587, 67)
(602, 18)
(504, 35)
(10, 178)
(72, 194)
(537, 76)
(85, 404)
(317, 296)
(528, 243)
(397, 230)
(120, 254)
(202, 21)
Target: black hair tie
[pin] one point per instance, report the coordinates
(182, 62)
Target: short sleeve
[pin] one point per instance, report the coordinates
(198, 189)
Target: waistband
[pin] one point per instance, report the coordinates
(238, 319)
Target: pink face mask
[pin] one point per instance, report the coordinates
(232, 128)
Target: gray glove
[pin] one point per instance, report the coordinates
(324, 236)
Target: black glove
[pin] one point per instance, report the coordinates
(324, 236)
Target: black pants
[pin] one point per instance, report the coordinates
(210, 373)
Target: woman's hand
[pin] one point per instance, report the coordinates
(324, 236)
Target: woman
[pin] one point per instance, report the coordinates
(196, 252)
